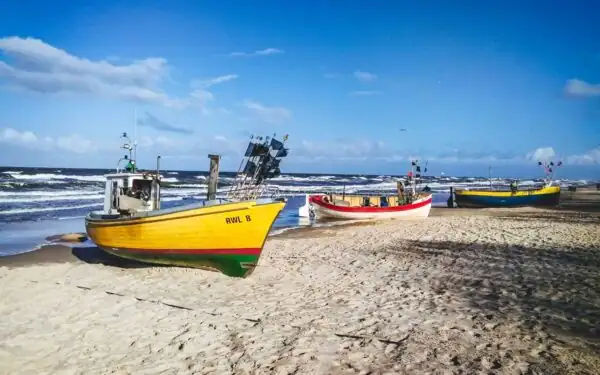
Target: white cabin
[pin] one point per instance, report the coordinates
(130, 193)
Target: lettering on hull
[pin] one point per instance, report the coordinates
(237, 219)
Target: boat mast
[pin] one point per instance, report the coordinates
(415, 170)
(135, 123)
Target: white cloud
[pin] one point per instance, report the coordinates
(578, 87)
(72, 143)
(10, 135)
(542, 154)
(365, 76)
(206, 83)
(272, 115)
(364, 93)
(378, 150)
(547, 154)
(262, 52)
(75, 143)
(340, 149)
(589, 158)
(39, 67)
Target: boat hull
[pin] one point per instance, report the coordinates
(225, 237)
(545, 197)
(418, 209)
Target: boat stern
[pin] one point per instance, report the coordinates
(307, 209)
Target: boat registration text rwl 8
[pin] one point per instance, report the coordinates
(237, 219)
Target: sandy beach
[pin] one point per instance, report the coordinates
(491, 291)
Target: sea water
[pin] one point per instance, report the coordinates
(39, 202)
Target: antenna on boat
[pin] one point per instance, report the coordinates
(135, 123)
(127, 146)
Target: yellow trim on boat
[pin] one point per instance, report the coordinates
(519, 193)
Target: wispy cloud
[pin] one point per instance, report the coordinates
(541, 154)
(364, 93)
(272, 115)
(39, 67)
(358, 150)
(151, 121)
(591, 157)
(72, 142)
(577, 87)
(262, 52)
(206, 83)
(365, 76)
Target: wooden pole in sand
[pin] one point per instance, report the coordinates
(213, 177)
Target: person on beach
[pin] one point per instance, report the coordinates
(401, 197)
(513, 186)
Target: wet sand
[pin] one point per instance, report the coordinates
(465, 291)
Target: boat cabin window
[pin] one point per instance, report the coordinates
(141, 189)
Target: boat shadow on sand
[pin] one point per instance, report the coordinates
(95, 255)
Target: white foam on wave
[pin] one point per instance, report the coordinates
(168, 179)
(52, 176)
(47, 209)
(51, 198)
(44, 193)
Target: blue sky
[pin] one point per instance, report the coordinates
(501, 83)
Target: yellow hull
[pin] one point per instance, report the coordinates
(228, 237)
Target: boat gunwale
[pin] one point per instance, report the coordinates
(548, 190)
(318, 200)
(155, 216)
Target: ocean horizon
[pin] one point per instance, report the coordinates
(39, 202)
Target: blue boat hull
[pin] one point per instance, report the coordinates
(481, 201)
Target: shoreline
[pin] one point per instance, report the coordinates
(585, 200)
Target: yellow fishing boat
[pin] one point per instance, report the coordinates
(225, 235)
(544, 196)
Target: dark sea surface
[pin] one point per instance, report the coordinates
(39, 202)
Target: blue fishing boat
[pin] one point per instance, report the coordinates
(545, 196)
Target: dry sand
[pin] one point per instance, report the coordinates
(462, 292)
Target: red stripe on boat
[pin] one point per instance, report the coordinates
(242, 251)
(318, 200)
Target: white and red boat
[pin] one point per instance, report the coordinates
(329, 206)
(404, 204)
